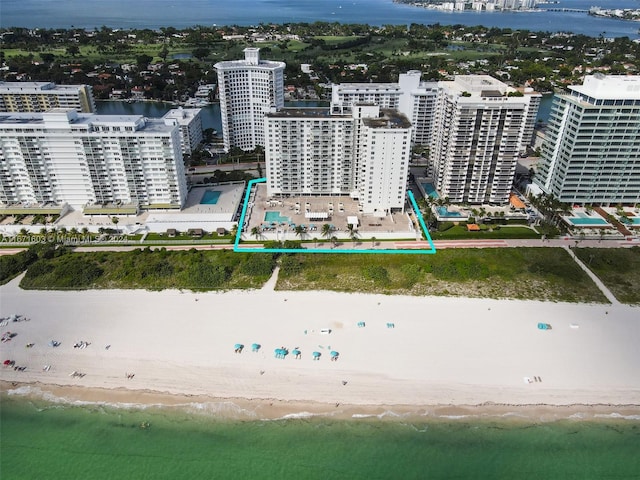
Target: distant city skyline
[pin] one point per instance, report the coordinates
(147, 14)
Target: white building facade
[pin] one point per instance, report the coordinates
(43, 96)
(410, 96)
(364, 154)
(62, 157)
(309, 152)
(480, 127)
(189, 120)
(248, 89)
(591, 153)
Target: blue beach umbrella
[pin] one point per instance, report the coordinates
(316, 355)
(334, 354)
(255, 347)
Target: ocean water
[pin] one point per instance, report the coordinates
(52, 440)
(186, 13)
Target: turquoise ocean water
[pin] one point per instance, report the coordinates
(53, 440)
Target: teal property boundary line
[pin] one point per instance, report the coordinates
(236, 244)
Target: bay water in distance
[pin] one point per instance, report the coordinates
(186, 13)
(53, 440)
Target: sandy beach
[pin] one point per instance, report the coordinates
(446, 355)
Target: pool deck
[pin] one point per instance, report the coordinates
(230, 198)
(337, 208)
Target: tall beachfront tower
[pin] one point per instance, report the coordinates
(364, 154)
(248, 89)
(308, 151)
(591, 153)
(42, 96)
(410, 96)
(62, 156)
(382, 159)
(480, 127)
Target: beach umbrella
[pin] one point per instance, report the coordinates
(255, 347)
(296, 352)
(334, 353)
(7, 362)
(238, 347)
(316, 355)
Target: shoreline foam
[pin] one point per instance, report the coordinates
(272, 409)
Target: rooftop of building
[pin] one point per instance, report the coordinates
(60, 116)
(183, 115)
(251, 59)
(319, 112)
(36, 87)
(387, 119)
(477, 86)
(368, 86)
(609, 87)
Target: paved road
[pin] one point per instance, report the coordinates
(364, 244)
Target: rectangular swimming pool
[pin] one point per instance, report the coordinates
(210, 197)
(276, 217)
(587, 221)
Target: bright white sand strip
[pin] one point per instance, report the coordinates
(441, 351)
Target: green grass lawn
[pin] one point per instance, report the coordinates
(459, 232)
(618, 268)
(523, 273)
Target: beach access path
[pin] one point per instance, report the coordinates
(442, 351)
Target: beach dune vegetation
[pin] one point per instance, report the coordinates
(522, 273)
(150, 269)
(618, 268)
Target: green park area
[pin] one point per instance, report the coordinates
(618, 268)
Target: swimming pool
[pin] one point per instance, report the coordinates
(276, 217)
(443, 212)
(210, 197)
(587, 221)
(430, 190)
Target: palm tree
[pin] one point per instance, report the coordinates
(234, 230)
(299, 231)
(353, 232)
(315, 242)
(373, 242)
(326, 230)
(255, 231)
(334, 241)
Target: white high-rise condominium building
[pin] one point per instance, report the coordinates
(591, 153)
(43, 96)
(62, 156)
(248, 89)
(345, 95)
(190, 122)
(417, 102)
(382, 160)
(480, 127)
(308, 151)
(364, 154)
(410, 96)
